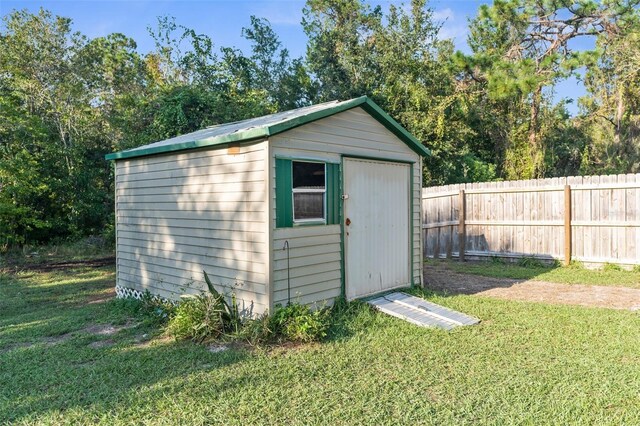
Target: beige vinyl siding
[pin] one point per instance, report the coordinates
(180, 214)
(314, 264)
(355, 133)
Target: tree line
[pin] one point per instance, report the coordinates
(66, 100)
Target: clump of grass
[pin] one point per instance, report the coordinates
(575, 264)
(608, 267)
(198, 318)
(295, 322)
(152, 309)
(530, 262)
(300, 323)
(205, 316)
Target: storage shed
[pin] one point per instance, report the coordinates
(303, 205)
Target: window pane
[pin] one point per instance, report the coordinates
(308, 175)
(308, 205)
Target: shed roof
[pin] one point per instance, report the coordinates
(268, 125)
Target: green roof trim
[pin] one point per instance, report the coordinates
(196, 140)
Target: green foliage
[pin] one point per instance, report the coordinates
(299, 323)
(397, 59)
(152, 309)
(159, 310)
(521, 49)
(611, 110)
(67, 99)
(205, 316)
(197, 318)
(576, 264)
(608, 267)
(292, 323)
(530, 262)
(230, 314)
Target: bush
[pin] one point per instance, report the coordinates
(257, 331)
(155, 308)
(197, 318)
(292, 323)
(210, 316)
(205, 316)
(299, 323)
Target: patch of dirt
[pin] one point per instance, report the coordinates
(101, 344)
(54, 340)
(13, 346)
(107, 329)
(214, 349)
(47, 340)
(146, 341)
(441, 279)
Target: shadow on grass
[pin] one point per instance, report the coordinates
(54, 360)
(42, 378)
(473, 277)
(453, 278)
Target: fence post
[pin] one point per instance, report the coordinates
(462, 237)
(567, 225)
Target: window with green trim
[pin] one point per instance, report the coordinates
(309, 191)
(306, 192)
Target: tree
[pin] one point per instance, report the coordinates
(60, 95)
(522, 47)
(194, 87)
(611, 110)
(398, 60)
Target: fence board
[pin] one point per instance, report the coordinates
(526, 219)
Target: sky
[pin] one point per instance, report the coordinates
(223, 20)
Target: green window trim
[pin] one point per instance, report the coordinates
(284, 194)
(333, 193)
(284, 191)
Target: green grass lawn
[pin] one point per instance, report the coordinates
(608, 276)
(525, 363)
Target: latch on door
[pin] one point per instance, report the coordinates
(345, 196)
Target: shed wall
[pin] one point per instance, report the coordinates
(315, 260)
(180, 214)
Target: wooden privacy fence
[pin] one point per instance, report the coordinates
(593, 219)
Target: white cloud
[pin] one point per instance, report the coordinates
(457, 31)
(454, 31)
(444, 15)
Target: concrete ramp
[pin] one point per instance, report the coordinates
(420, 312)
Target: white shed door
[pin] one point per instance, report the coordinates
(376, 226)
